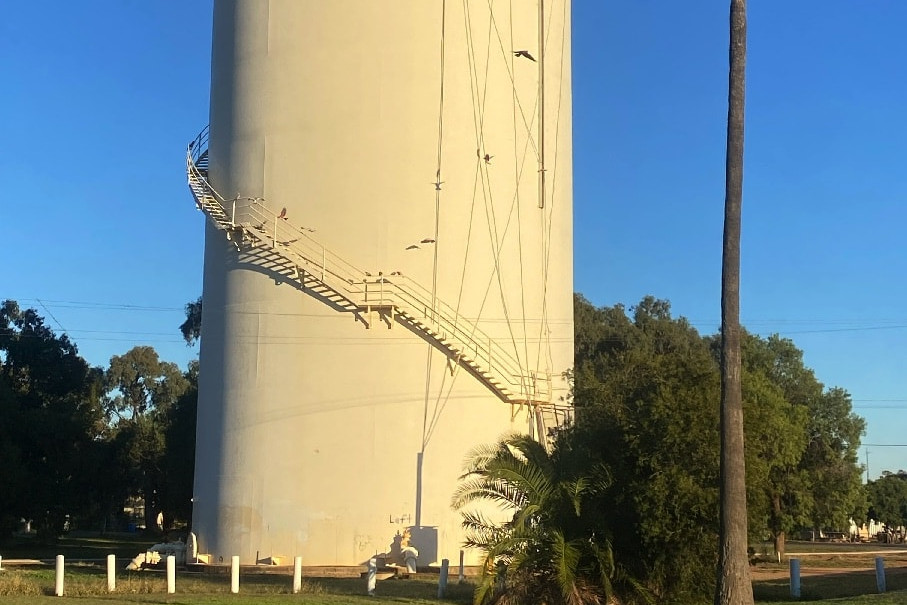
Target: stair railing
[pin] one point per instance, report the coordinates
(251, 219)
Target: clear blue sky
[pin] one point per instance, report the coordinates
(100, 235)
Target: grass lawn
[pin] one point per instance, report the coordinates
(87, 585)
(843, 575)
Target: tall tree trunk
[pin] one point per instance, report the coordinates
(777, 532)
(733, 584)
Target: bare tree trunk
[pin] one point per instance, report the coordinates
(778, 534)
(733, 583)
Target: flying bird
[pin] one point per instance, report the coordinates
(412, 247)
(487, 158)
(524, 53)
(283, 214)
(427, 240)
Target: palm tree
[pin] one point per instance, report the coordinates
(733, 583)
(546, 551)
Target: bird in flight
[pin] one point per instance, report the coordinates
(283, 214)
(524, 53)
(427, 240)
(412, 247)
(487, 158)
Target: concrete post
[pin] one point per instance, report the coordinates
(297, 574)
(234, 574)
(372, 573)
(462, 575)
(880, 574)
(442, 578)
(111, 573)
(795, 578)
(58, 582)
(171, 574)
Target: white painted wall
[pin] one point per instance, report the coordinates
(310, 424)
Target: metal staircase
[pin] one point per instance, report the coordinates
(278, 246)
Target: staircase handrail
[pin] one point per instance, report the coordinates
(254, 218)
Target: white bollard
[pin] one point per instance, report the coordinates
(111, 573)
(234, 574)
(795, 578)
(880, 574)
(171, 574)
(372, 573)
(462, 574)
(442, 578)
(1, 563)
(58, 583)
(297, 574)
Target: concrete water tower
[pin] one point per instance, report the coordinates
(388, 265)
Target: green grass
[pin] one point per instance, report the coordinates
(86, 582)
(88, 585)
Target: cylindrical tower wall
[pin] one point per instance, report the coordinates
(310, 423)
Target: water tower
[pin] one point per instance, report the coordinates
(388, 265)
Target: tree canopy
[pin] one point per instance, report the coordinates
(646, 396)
(76, 440)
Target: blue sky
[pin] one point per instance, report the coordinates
(100, 235)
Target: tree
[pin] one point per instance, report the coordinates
(733, 585)
(545, 551)
(647, 399)
(52, 425)
(831, 458)
(179, 452)
(887, 497)
(646, 395)
(192, 327)
(141, 390)
(775, 422)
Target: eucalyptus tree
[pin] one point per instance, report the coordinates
(141, 389)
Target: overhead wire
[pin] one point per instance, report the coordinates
(434, 278)
(549, 212)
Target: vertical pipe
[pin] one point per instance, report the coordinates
(419, 457)
(462, 575)
(297, 574)
(795, 578)
(58, 581)
(171, 574)
(372, 572)
(111, 573)
(541, 104)
(442, 578)
(234, 574)
(880, 574)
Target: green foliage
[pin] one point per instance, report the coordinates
(178, 462)
(646, 394)
(887, 497)
(142, 389)
(544, 549)
(64, 421)
(52, 424)
(191, 329)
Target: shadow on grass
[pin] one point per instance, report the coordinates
(829, 585)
